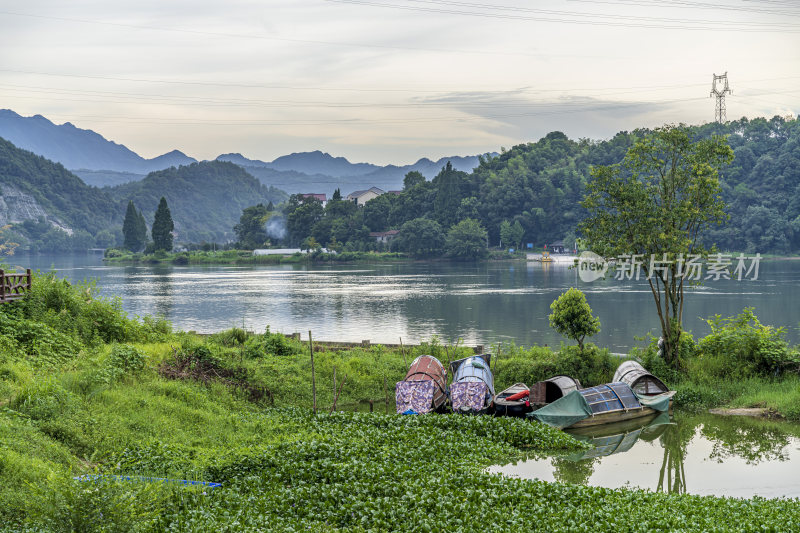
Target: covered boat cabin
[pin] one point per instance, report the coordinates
(472, 389)
(552, 389)
(640, 380)
(424, 388)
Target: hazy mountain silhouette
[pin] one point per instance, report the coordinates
(76, 148)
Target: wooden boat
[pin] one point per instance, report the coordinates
(550, 390)
(604, 404)
(640, 380)
(472, 390)
(513, 401)
(424, 388)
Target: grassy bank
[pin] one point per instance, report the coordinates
(84, 390)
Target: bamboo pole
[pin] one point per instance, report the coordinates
(313, 375)
(336, 398)
(403, 351)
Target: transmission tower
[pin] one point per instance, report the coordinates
(719, 87)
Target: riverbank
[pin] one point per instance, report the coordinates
(85, 390)
(246, 257)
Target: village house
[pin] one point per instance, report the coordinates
(362, 197)
(384, 236)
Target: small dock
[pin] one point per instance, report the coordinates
(14, 286)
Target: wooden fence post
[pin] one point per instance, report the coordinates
(403, 351)
(313, 376)
(2, 285)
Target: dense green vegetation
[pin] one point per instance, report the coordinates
(538, 187)
(83, 389)
(206, 199)
(58, 200)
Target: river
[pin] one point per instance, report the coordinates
(482, 303)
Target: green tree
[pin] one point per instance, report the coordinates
(412, 178)
(131, 229)
(572, 316)
(420, 237)
(659, 202)
(251, 230)
(162, 227)
(468, 209)
(466, 240)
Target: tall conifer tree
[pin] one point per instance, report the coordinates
(162, 227)
(134, 240)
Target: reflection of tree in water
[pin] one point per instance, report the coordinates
(566, 470)
(672, 476)
(748, 438)
(162, 291)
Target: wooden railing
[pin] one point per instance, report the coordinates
(14, 286)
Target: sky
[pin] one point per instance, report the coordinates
(390, 81)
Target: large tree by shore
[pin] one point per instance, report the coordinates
(659, 203)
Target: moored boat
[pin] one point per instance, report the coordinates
(472, 390)
(424, 388)
(550, 390)
(603, 404)
(513, 401)
(640, 380)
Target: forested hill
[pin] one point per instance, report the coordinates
(205, 199)
(35, 189)
(540, 185)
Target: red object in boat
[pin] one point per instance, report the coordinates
(517, 396)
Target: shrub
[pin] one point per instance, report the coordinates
(740, 346)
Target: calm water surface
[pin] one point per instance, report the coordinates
(696, 454)
(478, 303)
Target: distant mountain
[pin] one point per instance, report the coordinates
(309, 163)
(325, 173)
(104, 163)
(77, 148)
(33, 188)
(205, 199)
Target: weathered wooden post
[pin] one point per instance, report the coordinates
(403, 351)
(29, 275)
(385, 392)
(334, 386)
(370, 406)
(313, 375)
(2, 285)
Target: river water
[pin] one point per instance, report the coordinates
(695, 454)
(481, 303)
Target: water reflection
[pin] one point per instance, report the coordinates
(699, 454)
(483, 303)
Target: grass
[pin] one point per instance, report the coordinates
(83, 389)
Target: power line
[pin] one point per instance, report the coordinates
(366, 89)
(741, 26)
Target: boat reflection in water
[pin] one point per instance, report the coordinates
(621, 437)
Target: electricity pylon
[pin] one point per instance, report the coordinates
(719, 87)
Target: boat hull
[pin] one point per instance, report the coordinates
(616, 416)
